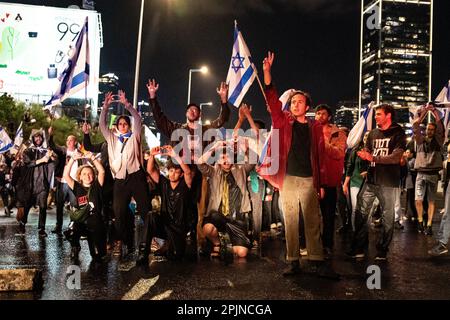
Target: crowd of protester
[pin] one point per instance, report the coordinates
(216, 196)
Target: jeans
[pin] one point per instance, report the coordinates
(299, 196)
(386, 196)
(444, 228)
(257, 207)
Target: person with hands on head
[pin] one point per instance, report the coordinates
(192, 130)
(428, 163)
(87, 190)
(125, 154)
(229, 204)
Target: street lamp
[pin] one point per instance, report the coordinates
(203, 70)
(201, 105)
(138, 56)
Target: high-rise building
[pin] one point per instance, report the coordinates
(346, 114)
(147, 115)
(109, 82)
(395, 57)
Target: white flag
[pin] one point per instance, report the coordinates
(242, 72)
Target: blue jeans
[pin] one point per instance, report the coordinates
(366, 197)
(444, 229)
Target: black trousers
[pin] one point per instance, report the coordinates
(328, 208)
(134, 185)
(175, 235)
(41, 200)
(95, 230)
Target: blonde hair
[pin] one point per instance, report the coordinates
(81, 168)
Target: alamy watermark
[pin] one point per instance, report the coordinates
(374, 280)
(73, 281)
(240, 147)
(373, 20)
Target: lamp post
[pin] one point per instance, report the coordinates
(203, 70)
(201, 111)
(138, 56)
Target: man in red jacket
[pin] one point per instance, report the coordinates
(333, 158)
(301, 173)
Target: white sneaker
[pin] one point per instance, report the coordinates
(273, 226)
(303, 252)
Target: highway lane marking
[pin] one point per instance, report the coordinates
(140, 288)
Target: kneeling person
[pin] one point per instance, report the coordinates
(88, 220)
(176, 217)
(229, 201)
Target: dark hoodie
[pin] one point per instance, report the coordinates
(387, 147)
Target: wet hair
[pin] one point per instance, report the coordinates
(303, 93)
(324, 107)
(193, 105)
(126, 118)
(387, 108)
(260, 123)
(81, 168)
(170, 164)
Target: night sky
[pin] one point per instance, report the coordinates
(316, 43)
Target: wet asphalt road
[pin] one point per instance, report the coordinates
(408, 274)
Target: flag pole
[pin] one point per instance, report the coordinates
(260, 86)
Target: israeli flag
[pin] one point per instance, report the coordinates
(364, 124)
(76, 75)
(443, 97)
(5, 141)
(242, 72)
(19, 136)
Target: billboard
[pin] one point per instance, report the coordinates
(35, 43)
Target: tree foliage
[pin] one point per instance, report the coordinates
(34, 117)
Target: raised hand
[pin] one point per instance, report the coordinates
(268, 61)
(122, 97)
(155, 150)
(77, 156)
(50, 131)
(108, 100)
(247, 110)
(152, 87)
(222, 91)
(241, 111)
(267, 66)
(85, 128)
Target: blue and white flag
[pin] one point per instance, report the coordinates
(5, 141)
(242, 72)
(18, 139)
(76, 75)
(364, 124)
